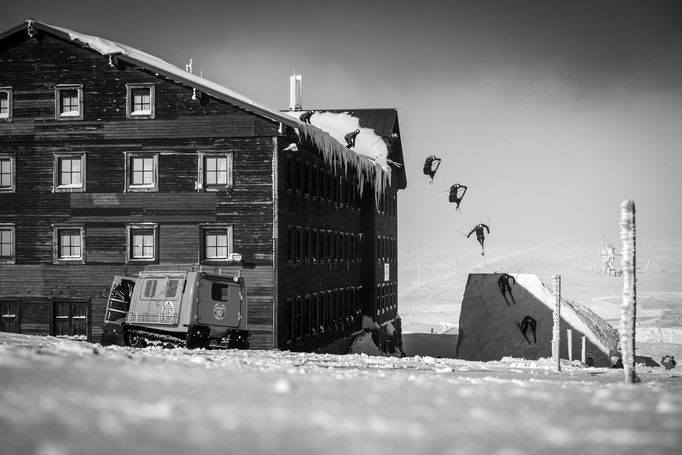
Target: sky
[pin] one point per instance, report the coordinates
(551, 112)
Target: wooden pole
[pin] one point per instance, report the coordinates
(628, 309)
(583, 353)
(556, 331)
(569, 340)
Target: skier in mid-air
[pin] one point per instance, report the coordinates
(528, 323)
(431, 165)
(480, 235)
(455, 196)
(503, 284)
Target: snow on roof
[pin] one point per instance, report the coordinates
(369, 155)
(337, 125)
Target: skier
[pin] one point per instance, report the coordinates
(503, 283)
(528, 322)
(305, 117)
(480, 235)
(350, 138)
(455, 197)
(431, 165)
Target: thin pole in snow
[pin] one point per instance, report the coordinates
(556, 333)
(583, 354)
(569, 341)
(628, 309)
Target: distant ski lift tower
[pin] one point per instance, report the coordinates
(295, 92)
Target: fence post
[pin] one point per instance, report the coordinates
(569, 340)
(628, 309)
(556, 331)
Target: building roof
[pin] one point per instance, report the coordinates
(382, 121)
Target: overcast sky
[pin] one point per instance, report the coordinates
(551, 112)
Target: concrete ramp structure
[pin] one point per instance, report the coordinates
(490, 322)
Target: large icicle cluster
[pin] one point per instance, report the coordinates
(367, 159)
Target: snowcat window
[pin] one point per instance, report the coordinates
(150, 288)
(220, 292)
(172, 288)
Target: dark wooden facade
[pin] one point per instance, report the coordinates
(262, 206)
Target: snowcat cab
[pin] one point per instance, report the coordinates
(174, 306)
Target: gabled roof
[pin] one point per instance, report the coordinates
(150, 62)
(383, 121)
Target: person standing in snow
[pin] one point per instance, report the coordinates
(480, 235)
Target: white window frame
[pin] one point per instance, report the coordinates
(229, 231)
(13, 173)
(130, 230)
(144, 114)
(56, 250)
(57, 187)
(10, 105)
(11, 258)
(149, 187)
(201, 177)
(59, 115)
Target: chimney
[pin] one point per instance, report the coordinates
(295, 92)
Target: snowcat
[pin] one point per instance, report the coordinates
(191, 306)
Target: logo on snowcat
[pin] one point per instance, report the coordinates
(219, 311)
(168, 311)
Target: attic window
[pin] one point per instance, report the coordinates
(140, 101)
(69, 102)
(6, 104)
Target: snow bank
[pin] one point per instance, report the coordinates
(365, 345)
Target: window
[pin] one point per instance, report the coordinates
(216, 243)
(220, 292)
(6, 104)
(7, 242)
(69, 102)
(143, 242)
(69, 172)
(140, 101)
(142, 172)
(215, 171)
(7, 173)
(69, 244)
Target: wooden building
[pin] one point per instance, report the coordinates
(112, 159)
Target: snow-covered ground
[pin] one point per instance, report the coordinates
(61, 397)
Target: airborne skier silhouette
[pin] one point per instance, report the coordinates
(480, 235)
(431, 165)
(455, 197)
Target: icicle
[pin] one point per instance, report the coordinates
(340, 157)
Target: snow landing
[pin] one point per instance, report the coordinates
(489, 323)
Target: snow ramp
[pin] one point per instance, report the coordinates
(490, 322)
